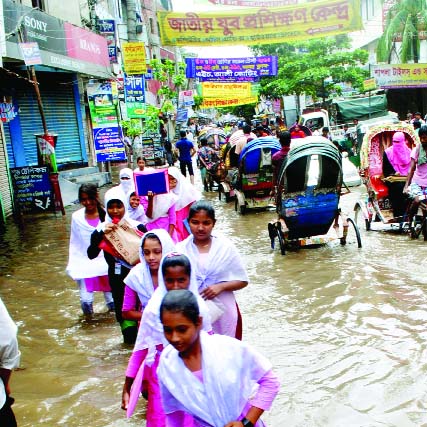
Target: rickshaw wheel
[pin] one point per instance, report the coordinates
(358, 217)
(281, 242)
(353, 234)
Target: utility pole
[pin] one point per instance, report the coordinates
(46, 142)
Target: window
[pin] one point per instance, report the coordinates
(39, 4)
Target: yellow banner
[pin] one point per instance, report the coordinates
(226, 90)
(400, 75)
(221, 102)
(264, 26)
(134, 58)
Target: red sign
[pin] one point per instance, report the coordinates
(85, 45)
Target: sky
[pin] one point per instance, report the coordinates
(210, 51)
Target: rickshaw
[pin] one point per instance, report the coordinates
(255, 174)
(230, 172)
(377, 206)
(308, 196)
(216, 137)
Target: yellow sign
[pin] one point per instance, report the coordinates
(221, 102)
(400, 75)
(226, 90)
(264, 26)
(369, 84)
(134, 58)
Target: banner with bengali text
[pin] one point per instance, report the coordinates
(231, 69)
(221, 102)
(226, 90)
(389, 76)
(134, 61)
(250, 3)
(264, 26)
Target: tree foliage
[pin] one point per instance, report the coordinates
(315, 67)
(404, 20)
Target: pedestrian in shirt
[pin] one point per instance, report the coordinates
(186, 152)
(9, 359)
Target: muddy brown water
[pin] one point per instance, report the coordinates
(345, 328)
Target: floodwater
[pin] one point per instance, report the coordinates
(345, 328)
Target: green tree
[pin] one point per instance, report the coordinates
(404, 20)
(315, 67)
(171, 77)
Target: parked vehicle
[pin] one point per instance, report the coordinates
(308, 198)
(255, 174)
(377, 207)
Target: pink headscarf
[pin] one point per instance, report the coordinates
(399, 154)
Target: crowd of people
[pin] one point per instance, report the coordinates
(175, 304)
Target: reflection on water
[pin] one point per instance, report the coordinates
(345, 328)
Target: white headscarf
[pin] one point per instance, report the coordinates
(116, 193)
(127, 185)
(161, 205)
(184, 191)
(150, 332)
(231, 370)
(139, 278)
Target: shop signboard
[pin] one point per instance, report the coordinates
(31, 53)
(86, 46)
(107, 28)
(134, 61)
(135, 96)
(62, 45)
(108, 144)
(264, 26)
(226, 90)
(392, 76)
(37, 26)
(231, 69)
(186, 98)
(249, 3)
(32, 188)
(107, 136)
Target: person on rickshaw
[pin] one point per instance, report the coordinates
(396, 163)
(206, 157)
(416, 181)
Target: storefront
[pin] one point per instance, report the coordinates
(69, 56)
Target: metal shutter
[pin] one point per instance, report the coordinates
(5, 189)
(60, 112)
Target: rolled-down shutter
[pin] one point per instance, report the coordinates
(60, 113)
(5, 190)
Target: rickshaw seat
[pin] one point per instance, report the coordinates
(379, 187)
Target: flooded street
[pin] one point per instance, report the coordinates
(345, 328)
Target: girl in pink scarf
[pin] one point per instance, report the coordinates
(397, 161)
(399, 154)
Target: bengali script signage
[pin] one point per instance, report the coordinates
(135, 96)
(231, 69)
(221, 102)
(264, 26)
(107, 134)
(31, 53)
(251, 3)
(391, 76)
(226, 90)
(107, 28)
(32, 188)
(134, 58)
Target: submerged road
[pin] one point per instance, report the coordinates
(345, 328)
